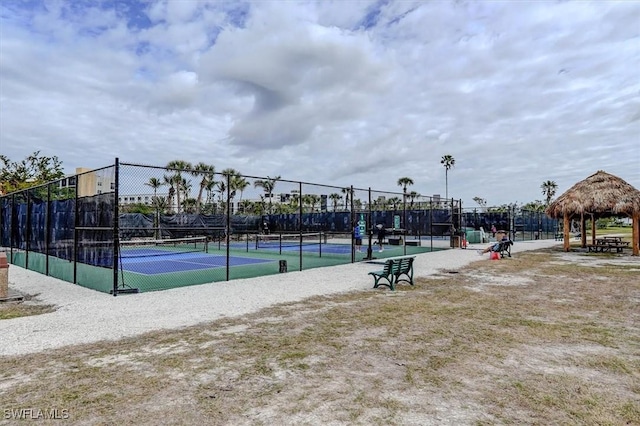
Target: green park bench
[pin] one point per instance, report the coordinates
(396, 269)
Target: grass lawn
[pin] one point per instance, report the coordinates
(545, 337)
(623, 231)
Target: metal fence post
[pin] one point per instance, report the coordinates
(228, 224)
(116, 225)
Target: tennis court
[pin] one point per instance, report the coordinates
(153, 257)
(180, 262)
(149, 264)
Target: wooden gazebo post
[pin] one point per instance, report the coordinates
(566, 231)
(635, 233)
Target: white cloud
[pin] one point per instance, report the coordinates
(297, 74)
(340, 93)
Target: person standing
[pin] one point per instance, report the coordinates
(381, 234)
(264, 229)
(357, 237)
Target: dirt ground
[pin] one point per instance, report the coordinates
(545, 337)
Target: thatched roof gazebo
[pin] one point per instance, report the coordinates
(599, 195)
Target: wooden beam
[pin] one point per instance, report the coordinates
(593, 229)
(583, 230)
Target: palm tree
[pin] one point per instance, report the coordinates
(179, 166)
(222, 189)
(294, 202)
(347, 194)
(210, 201)
(282, 208)
(313, 200)
(155, 183)
(245, 206)
(536, 206)
(379, 204)
(232, 176)
(189, 205)
(549, 189)
(481, 202)
(412, 197)
(448, 162)
(170, 180)
(307, 200)
(185, 185)
(335, 197)
(207, 173)
(258, 206)
(403, 182)
(268, 185)
(393, 202)
(240, 183)
(161, 203)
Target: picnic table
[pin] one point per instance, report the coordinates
(607, 244)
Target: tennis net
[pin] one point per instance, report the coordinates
(290, 240)
(164, 247)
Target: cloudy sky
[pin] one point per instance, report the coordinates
(338, 92)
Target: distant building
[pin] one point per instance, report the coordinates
(93, 183)
(88, 182)
(136, 199)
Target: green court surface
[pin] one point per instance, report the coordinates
(209, 267)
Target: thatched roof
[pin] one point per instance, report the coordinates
(602, 194)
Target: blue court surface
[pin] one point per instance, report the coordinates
(167, 263)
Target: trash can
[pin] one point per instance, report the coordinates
(283, 266)
(473, 237)
(455, 241)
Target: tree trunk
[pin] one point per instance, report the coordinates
(446, 184)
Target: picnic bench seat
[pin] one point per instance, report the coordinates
(396, 269)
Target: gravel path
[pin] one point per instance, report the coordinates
(87, 316)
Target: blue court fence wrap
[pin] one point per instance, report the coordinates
(126, 228)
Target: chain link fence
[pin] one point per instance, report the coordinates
(520, 224)
(127, 228)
